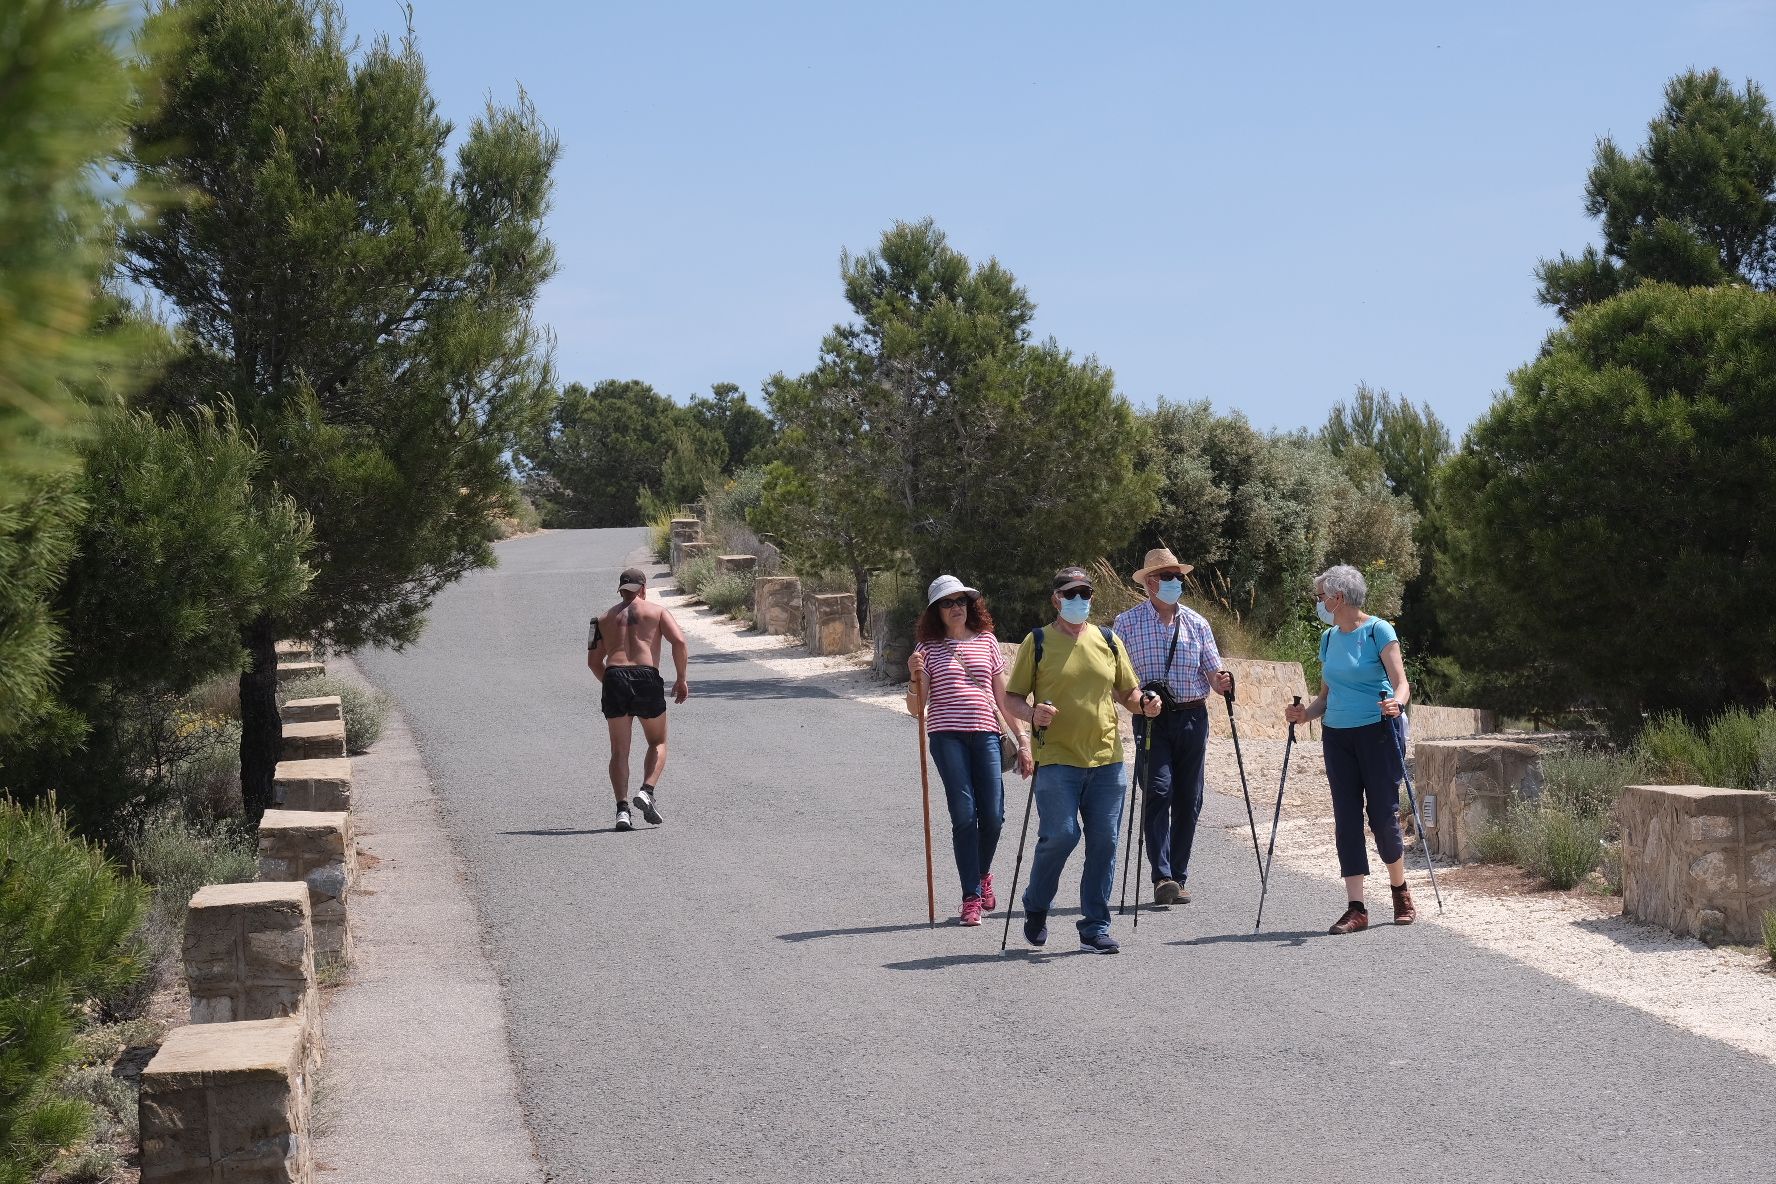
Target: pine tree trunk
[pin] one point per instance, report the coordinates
(262, 732)
(860, 577)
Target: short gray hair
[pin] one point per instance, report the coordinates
(1346, 581)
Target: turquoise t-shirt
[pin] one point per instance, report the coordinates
(1351, 665)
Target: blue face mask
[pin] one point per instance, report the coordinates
(1324, 613)
(1076, 612)
(1171, 591)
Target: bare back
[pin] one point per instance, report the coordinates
(632, 631)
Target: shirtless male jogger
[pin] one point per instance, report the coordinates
(623, 650)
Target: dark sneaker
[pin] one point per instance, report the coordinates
(1165, 892)
(624, 822)
(649, 811)
(1036, 926)
(1355, 920)
(1405, 912)
(1099, 943)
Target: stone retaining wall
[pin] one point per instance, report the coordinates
(315, 847)
(1439, 723)
(227, 1103)
(307, 711)
(1463, 785)
(291, 671)
(777, 603)
(1699, 861)
(1261, 691)
(829, 623)
(315, 740)
(249, 953)
(324, 784)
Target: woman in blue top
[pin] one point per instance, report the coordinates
(1361, 732)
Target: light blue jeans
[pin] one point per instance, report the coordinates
(1066, 797)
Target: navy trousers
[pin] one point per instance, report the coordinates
(1173, 786)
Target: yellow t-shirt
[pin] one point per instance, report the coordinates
(1078, 677)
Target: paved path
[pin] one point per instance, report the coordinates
(750, 993)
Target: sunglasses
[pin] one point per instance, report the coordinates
(954, 602)
(1077, 594)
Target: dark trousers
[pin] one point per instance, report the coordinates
(968, 762)
(1363, 767)
(1173, 786)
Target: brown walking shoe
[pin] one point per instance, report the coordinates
(1405, 912)
(1165, 892)
(1355, 920)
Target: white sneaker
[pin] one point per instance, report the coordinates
(649, 811)
(624, 822)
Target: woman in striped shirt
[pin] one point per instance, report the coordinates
(958, 680)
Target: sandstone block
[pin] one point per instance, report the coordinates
(829, 623)
(1440, 723)
(291, 671)
(1465, 784)
(777, 602)
(228, 1102)
(308, 711)
(313, 741)
(294, 651)
(744, 564)
(1261, 691)
(249, 953)
(690, 551)
(316, 847)
(321, 784)
(1699, 861)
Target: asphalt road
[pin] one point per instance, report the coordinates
(750, 991)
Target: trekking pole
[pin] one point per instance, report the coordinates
(1275, 818)
(1023, 836)
(1141, 838)
(1412, 800)
(1240, 760)
(925, 790)
(1128, 846)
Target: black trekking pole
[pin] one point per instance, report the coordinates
(1275, 818)
(1023, 837)
(1412, 800)
(1240, 760)
(1128, 847)
(1146, 767)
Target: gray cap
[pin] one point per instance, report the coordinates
(1071, 577)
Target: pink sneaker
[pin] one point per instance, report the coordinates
(989, 902)
(971, 910)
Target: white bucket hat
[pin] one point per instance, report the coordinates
(945, 586)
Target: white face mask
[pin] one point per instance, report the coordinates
(1171, 591)
(1325, 614)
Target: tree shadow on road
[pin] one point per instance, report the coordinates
(1290, 938)
(758, 688)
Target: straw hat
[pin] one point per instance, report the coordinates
(1157, 559)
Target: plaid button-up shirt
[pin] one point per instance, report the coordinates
(1149, 639)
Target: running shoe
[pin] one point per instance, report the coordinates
(649, 811)
(624, 822)
(989, 902)
(971, 910)
(1099, 943)
(1036, 926)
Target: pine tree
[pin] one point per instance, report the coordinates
(363, 306)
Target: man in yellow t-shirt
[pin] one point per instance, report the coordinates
(1082, 674)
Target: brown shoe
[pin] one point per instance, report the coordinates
(1405, 912)
(1355, 920)
(1165, 892)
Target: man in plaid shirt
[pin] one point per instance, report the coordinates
(1170, 644)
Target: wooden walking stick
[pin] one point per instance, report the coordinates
(925, 790)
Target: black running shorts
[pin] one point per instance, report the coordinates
(633, 690)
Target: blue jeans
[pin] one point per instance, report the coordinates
(1173, 798)
(1067, 795)
(968, 762)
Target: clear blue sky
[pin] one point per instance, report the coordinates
(1258, 205)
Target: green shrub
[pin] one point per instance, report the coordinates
(727, 592)
(733, 502)
(1737, 750)
(694, 573)
(1546, 839)
(205, 780)
(1770, 933)
(66, 915)
(1587, 784)
(1502, 840)
(365, 711)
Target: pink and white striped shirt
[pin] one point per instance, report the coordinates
(959, 683)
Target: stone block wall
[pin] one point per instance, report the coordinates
(690, 551)
(291, 671)
(227, 1103)
(249, 953)
(324, 784)
(1463, 785)
(315, 847)
(308, 711)
(1261, 691)
(1440, 723)
(777, 602)
(294, 651)
(315, 740)
(829, 623)
(1699, 861)
(684, 530)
